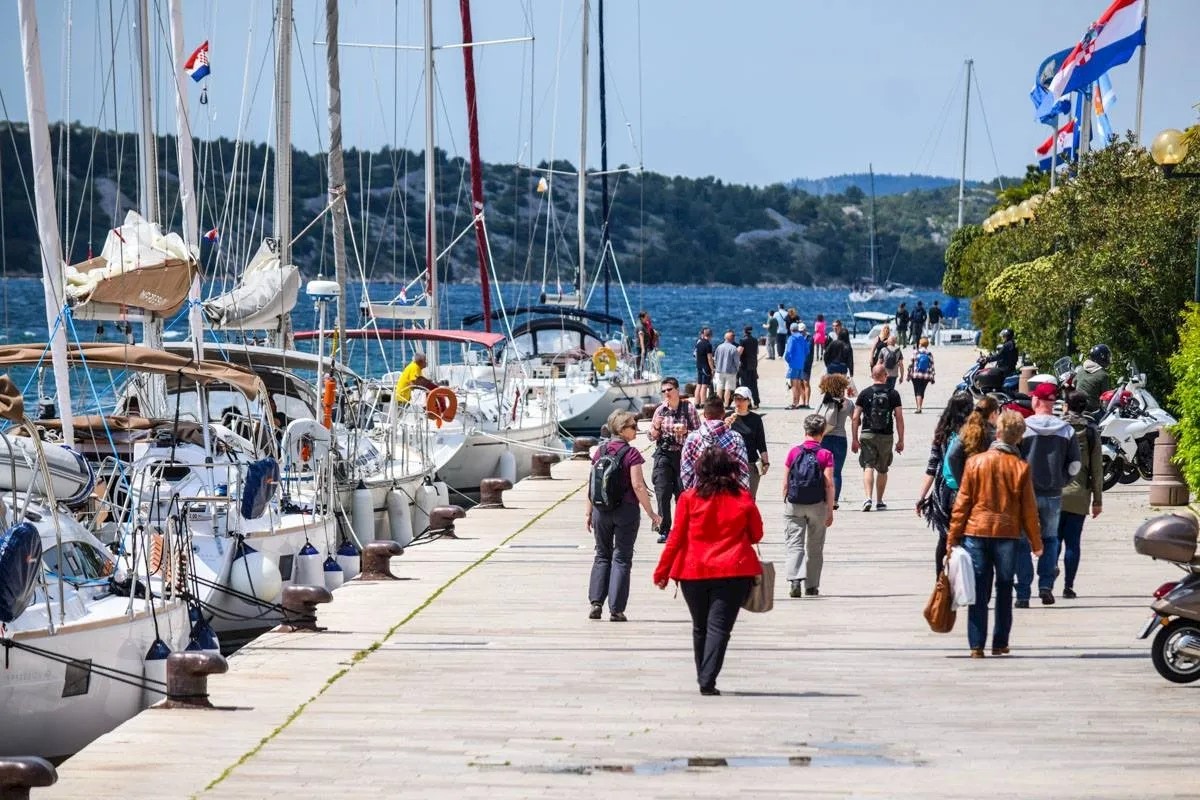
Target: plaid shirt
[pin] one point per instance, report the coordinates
(713, 432)
(664, 419)
(912, 366)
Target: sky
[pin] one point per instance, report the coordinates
(755, 92)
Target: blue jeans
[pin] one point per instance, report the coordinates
(836, 445)
(1070, 534)
(1049, 509)
(994, 560)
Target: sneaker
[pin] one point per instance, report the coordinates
(1021, 604)
(918, 411)
(662, 538)
(597, 611)
(797, 589)
(811, 591)
(1047, 597)
(836, 506)
(977, 652)
(710, 691)
(881, 506)
(1069, 594)
(866, 505)
(617, 617)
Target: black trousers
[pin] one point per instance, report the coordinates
(714, 606)
(750, 381)
(667, 486)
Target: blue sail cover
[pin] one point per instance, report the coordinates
(20, 565)
(262, 477)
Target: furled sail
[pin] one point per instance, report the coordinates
(267, 291)
(138, 267)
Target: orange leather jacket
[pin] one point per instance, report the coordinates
(995, 499)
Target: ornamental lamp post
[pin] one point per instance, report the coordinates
(1168, 150)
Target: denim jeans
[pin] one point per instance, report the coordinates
(1070, 534)
(836, 445)
(994, 560)
(1049, 509)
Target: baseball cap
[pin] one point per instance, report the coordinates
(802, 327)
(742, 391)
(1044, 391)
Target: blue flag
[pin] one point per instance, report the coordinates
(1041, 85)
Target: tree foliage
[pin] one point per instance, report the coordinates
(1185, 368)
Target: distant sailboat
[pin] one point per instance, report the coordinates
(868, 290)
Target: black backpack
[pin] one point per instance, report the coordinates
(879, 411)
(606, 483)
(806, 480)
(891, 358)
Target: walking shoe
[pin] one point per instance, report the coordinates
(617, 617)
(881, 506)
(811, 591)
(1021, 604)
(1069, 594)
(918, 411)
(710, 691)
(662, 538)
(977, 652)
(797, 589)
(1047, 597)
(836, 506)
(597, 611)
(866, 505)
(999, 651)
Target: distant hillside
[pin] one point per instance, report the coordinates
(884, 183)
(663, 229)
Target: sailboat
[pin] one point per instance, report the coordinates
(869, 290)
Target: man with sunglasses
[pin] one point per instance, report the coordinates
(673, 420)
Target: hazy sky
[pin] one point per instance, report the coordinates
(754, 91)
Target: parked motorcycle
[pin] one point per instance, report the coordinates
(980, 379)
(1175, 620)
(1130, 423)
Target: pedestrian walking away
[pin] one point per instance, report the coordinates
(1084, 493)
(917, 323)
(647, 339)
(616, 491)
(782, 330)
(748, 363)
(995, 503)
(921, 372)
(935, 322)
(796, 355)
(975, 436)
(878, 413)
(903, 320)
(713, 433)
(772, 326)
(891, 356)
(936, 498)
(711, 555)
(1052, 451)
(749, 426)
(885, 333)
(820, 337)
(836, 407)
(808, 498)
(673, 420)
(806, 375)
(726, 362)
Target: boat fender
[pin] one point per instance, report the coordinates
(154, 672)
(256, 574)
(262, 478)
(334, 575)
(507, 466)
(604, 360)
(20, 564)
(400, 517)
(441, 405)
(327, 400)
(349, 559)
(362, 515)
(308, 567)
(426, 502)
(203, 638)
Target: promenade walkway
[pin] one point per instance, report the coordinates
(484, 678)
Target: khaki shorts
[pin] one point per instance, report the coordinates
(725, 381)
(875, 451)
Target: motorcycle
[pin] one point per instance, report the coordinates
(1130, 423)
(980, 379)
(1175, 617)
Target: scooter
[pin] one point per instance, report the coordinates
(980, 379)
(1130, 424)
(1175, 617)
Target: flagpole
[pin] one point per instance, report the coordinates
(1137, 121)
(1085, 125)
(962, 176)
(1054, 151)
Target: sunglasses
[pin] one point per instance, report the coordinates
(667, 390)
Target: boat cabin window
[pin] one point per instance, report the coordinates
(78, 562)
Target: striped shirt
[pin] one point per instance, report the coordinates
(713, 432)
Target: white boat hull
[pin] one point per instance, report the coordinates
(587, 411)
(479, 457)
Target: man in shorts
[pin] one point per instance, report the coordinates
(725, 369)
(877, 411)
(796, 355)
(806, 373)
(703, 350)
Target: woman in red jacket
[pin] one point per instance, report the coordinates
(711, 553)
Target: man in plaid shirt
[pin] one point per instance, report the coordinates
(713, 432)
(671, 423)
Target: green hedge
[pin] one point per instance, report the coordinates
(1185, 400)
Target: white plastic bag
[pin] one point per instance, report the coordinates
(962, 577)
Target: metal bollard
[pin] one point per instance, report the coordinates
(19, 774)
(441, 519)
(491, 492)
(1167, 487)
(377, 561)
(581, 447)
(648, 411)
(300, 607)
(541, 466)
(187, 678)
(689, 390)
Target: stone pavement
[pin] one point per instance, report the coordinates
(490, 681)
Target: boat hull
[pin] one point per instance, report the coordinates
(585, 413)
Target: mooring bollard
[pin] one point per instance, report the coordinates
(581, 447)
(541, 466)
(187, 678)
(1167, 487)
(491, 492)
(300, 607)
(441, 519)
(377, 561)
(19, 774)
(689, 390)
(1027, 372)
(648, 411)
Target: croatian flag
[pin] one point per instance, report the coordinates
(1109, 42)
(197, 65)
(1063, 143)
(212, 235)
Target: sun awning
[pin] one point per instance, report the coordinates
(99, 355)
(481, 338)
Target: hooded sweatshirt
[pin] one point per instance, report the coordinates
(1092, 380)
(1086, 487)
(1052, 452)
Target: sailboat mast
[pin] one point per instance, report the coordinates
(604, 200)
(430, 183)
(581, 186)
(187, 190)
(337, 169)
(871, 226)
(47, 219)
(147, 144)
(464, 11)
(282, 212)
(962, 175)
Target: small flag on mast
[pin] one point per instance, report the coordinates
(197, 65)
(212, 235)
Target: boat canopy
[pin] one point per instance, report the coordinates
(138, 267)
(267, 290)
(481, 338)
(257, 357)
(100, 355)
(550, 311)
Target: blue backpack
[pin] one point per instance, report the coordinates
(947, 473)
(924, 361)
(806, 480)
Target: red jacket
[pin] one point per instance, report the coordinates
(712, 537)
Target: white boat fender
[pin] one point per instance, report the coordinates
(308, 567)
(443, 492)
(349, 559)
(334, 576)
(400, 517)
(507, 467)
(154, 672)
(257, 575)
(426, 502)
(362, 515)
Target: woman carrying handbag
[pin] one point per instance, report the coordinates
(711, 554)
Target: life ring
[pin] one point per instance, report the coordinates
(305, 442)
(604, 360)
(441, 405)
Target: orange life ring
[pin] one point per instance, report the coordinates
(604, 360)
(441, 405)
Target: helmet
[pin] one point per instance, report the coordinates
(1101, 355)
(1006, 334)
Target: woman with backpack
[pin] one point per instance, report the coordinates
(920, 371)
(808, 496)
(975, 436)
(836, 408)
(885, 333)
(936, 498)
(711, 554)
(616, 488)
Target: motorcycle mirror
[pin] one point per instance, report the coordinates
(1062, 365)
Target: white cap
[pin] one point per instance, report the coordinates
(802, 327)
(742, 391)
